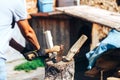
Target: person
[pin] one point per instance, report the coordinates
(107, 62)
(110, 42)
(16, 10)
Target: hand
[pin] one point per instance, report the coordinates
(30, 55)
(55, 48)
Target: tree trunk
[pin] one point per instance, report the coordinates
(59, 71)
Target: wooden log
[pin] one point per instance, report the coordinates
(98, 33)
(113, 78)
(75, 48)
(31, 6)
(95, 37)
(78, 2)
(63, 69)
(54, 4)
(59, 71)
(49, 40)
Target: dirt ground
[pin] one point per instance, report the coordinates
(39, 73)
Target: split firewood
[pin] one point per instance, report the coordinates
(54, 4)
(49, 41)
(110, 5)
(56, 57)
(75, 48)
(113, 78)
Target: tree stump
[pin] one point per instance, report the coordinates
(60, 70)
(62, 67)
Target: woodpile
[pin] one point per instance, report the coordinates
(63, 3)
(110, 5)
(31, 6)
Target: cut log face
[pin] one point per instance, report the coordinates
(59, 71)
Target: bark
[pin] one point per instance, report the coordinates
(59, 71)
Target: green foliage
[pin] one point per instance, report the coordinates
(31, 65)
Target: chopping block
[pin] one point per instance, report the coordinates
(64, 67)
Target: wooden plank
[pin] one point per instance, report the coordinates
(45, 14)
(54, 4)
(92, 14)
(75, 48)
(49, 41)
(113, 78)
(61, 3)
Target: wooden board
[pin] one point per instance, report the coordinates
(92, 14)
(76, 47)
(113, 78)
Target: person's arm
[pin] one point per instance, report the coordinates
(28, 33)
(30, 36)
(17, 46)
(29, 54)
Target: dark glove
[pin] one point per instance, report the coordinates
(41, 52)
(30, 55)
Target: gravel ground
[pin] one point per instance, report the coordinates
(37, 74)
